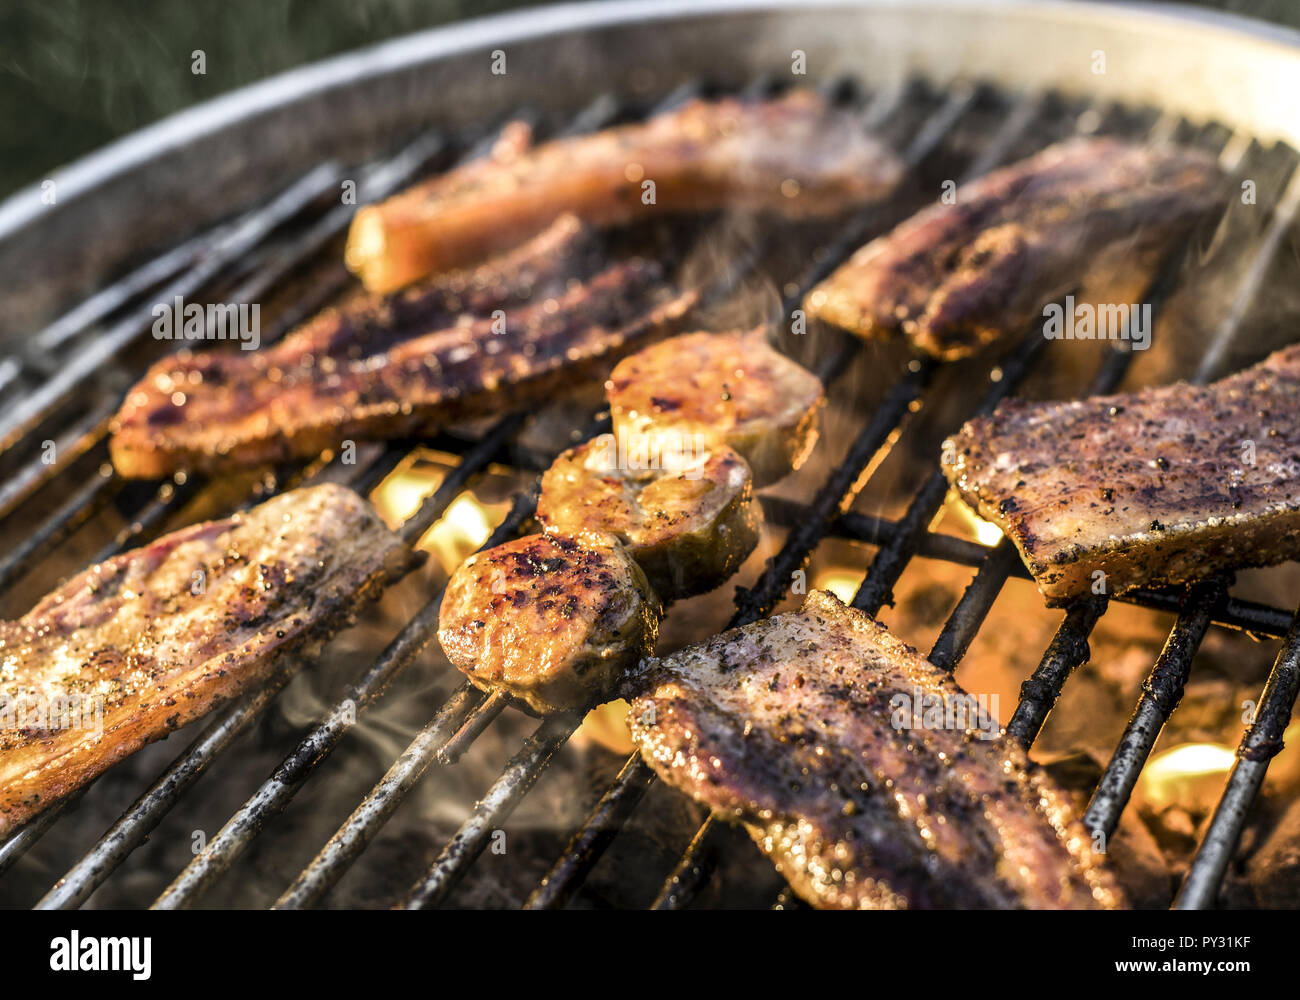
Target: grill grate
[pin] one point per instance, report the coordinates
(928, 126)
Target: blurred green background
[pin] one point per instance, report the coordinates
(75, 74)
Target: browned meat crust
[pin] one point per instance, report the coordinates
(402, 365)
(150, 640)
(957, 276)
(553, 620)
(792, 727)
(730, 388)
(1162, 486)
(794, 155)
(689, 524)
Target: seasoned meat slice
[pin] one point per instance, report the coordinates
(553, 620)
(511, 333)
(957, 276)
(794, 155)
(818, 731)
(731, 388)
(152, 639)
(1158, 487)
(689, 520)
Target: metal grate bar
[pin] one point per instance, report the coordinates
(1260, 620)
(492, 810)
(103, 303)
(472, 464)
(69, 516)
(1261, 743)
(73, 443)
(366, 820)
(23, 840)
(892, 558)
(693, 868)
(68, 378)
(597, 833)
(1067, 650)
(135, 825)
(1161, 692)
(482, 717)
(973, 607)
(1284, 217)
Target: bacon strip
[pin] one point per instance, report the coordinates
(506, 334)
(152, 639)
(956, 276)
(796, 156)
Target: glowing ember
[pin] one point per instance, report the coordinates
(1190, 776)
(607, 725)
(968, 523)
(404, 489)
(843, 583)
(463, 527)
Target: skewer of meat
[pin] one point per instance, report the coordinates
(138, 646)
(511, 332)
(1162, 486)
(795, 155)
(818, 731)
(956, 276)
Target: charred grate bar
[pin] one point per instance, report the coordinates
(466, 713)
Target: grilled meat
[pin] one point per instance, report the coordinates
(689, 520)
(1158, 487)
(553, 620)
(730, 388)
(794, 726)
(152, 639)
(954, 277)
(794, 155)
(509, 333)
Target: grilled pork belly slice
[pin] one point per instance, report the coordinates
(954, 277)
(689, 521)
(794, 726)
(1161, 486)
(795, 155)
(730, 388)
(553, 620)
(513, 332)
(155, 638)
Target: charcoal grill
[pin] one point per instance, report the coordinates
(959, 88)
